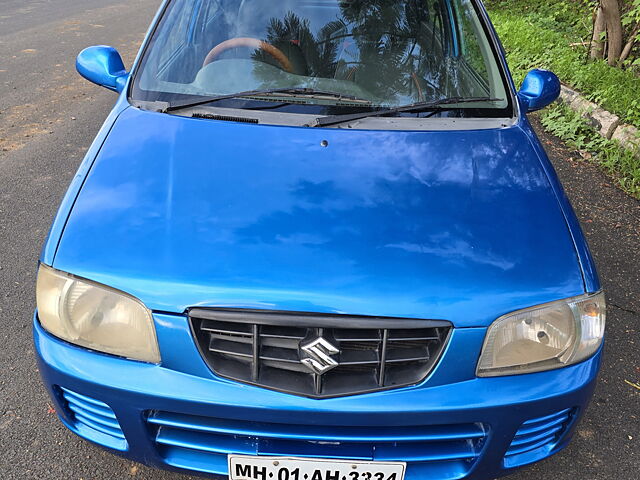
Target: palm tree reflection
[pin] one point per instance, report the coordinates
(394, 50)
(310, 55)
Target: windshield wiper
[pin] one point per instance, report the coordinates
(309, 92)
(438, 105)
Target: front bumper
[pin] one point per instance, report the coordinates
(180, 418)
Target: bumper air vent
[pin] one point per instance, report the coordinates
(537, 438)
(93, 420)
(196, 443)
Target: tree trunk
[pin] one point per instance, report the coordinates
(629, 46)
(611, 11)
(599, 30)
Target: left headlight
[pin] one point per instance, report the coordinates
(545, 337)
(95, 316)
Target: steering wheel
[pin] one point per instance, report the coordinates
(251, 43)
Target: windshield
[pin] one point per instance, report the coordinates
(336, 56)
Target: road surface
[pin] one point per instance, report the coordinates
(49, 116)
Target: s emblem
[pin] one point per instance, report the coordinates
(319, 353)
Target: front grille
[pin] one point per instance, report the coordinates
(203, 443)
(318, 355)
(536, 438)
(93, 419)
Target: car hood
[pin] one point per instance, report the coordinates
(456, 225)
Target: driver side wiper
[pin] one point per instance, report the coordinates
(170, 107)
(414, 107)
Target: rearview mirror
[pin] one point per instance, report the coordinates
(103, 66)
(539, 89)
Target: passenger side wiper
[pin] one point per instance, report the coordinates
(309, 92)
(438, 105)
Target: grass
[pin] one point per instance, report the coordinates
(550, 35)
(622, 165)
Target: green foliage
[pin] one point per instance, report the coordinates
(555, 35)
(569, 17)
(621, 164)
(632, 16)
(552, 35)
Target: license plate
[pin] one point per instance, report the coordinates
(243, 467)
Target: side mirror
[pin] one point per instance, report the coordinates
(103, 66)
(539, 89)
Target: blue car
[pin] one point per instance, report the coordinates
(319, 240)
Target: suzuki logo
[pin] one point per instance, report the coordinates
(319, 359)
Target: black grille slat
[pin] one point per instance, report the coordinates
(402, 333)
(354, 363)
(412, 339)
(279, 365)
(230, 352)
(407, 360)
(359, 356)
(251, 350)
(282, 332)
(231, 338)
(230, 348)
(354, 335)
(227, 327)
(285, 343)
(283, 354)
(287, 337)
(398, 354)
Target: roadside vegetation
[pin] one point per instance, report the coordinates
(623, 165)
(602, 61)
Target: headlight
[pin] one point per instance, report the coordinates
(95, 316)
(545, 337)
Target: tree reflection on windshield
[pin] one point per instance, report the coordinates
(390, 49)
(389, 52)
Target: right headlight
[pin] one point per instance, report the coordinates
(95, 316)
(544, 337)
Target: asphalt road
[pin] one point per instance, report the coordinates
(48, 117)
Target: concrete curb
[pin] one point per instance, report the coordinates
(605, 123)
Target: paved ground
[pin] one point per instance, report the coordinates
(48, 116)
